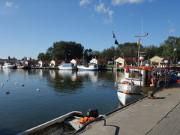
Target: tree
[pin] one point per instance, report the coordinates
(42, 56)
(63, 51)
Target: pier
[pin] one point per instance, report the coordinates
(145, 117)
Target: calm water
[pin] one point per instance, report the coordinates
(60, 93)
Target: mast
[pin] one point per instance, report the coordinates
(139, 38)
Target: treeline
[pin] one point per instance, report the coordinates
(70, 50)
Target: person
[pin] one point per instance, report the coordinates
(154, 77)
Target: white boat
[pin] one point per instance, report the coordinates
(90, 67)
(127, 98)
(22, 67)
(9, 65)
(59, 126)
(137, 80)
(67, 66)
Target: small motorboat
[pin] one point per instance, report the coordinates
(64, 125)
(9, 66)
(90, 67)
(67, 66)
(20, 66)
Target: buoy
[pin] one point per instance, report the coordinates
(2, 84)
(38, 90)
(7, 92)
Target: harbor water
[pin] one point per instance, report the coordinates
(31, 97)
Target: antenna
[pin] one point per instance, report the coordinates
(142, 26)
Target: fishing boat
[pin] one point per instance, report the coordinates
(127, 98)
(136, 81)
(66, 124)
(67, 66)
(9, 66)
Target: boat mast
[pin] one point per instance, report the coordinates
(140, 45)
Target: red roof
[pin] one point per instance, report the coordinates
(101, 60)
(32, 62)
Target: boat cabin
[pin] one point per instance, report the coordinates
(138, 75)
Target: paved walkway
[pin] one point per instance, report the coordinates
(146, 117)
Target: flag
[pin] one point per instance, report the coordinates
(138, 42)
(116, 42)
(114, 36)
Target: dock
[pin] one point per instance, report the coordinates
(159, 116)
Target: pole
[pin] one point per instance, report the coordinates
(138, 53)
(140, 45)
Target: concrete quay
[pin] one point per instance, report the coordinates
(159, 116)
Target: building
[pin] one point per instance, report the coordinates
(44, 63)
(158, 61)
(121, 62)
(33, 63)
(99, 61)
(55, 63)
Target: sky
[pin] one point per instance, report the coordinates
(29, 27)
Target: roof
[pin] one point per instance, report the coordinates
(32, 62)
(101, 60)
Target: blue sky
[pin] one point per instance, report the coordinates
(28, 27)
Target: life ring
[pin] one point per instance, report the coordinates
(126, 82)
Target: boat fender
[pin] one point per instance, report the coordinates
(126, 82)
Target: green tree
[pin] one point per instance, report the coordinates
(42, 56)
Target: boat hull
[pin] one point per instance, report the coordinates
(67, 67)
(127, 98)
(55, 126)
(87, 68)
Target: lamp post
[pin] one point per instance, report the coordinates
(141, 59)
(175, 59)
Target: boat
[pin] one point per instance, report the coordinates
(136, 81)
(9, 65)
(65, 124)
(90, 67)
(127, 98)
(22, 67)
(67, 66)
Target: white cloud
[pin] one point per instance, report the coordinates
(9, 4)
(172, 30)
(121, 2)
(101, 9)
(84, 2)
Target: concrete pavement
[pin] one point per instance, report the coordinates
(159, 116)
